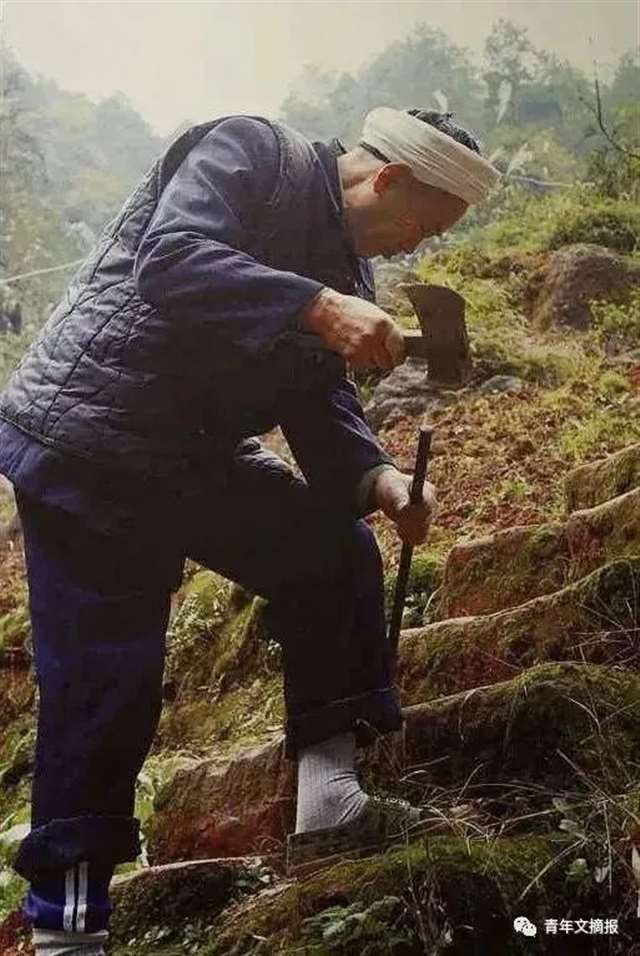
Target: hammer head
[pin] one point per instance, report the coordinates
(442, 339)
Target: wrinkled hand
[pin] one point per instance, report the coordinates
(392, 490)
(358, 330)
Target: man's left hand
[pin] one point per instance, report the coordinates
(392, 491)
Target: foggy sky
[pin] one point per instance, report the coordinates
(196, 59)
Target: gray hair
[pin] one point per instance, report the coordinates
(442, 122)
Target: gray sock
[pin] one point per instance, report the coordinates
(53, 942)
(328, 788)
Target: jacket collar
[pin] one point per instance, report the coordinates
(328, 155)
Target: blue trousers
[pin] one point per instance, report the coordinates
(99, 609)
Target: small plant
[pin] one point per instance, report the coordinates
(12, 886)
(620, 323)
(513, 489)
(357, 929)
(612, 384)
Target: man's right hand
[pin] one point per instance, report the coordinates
(357, 329)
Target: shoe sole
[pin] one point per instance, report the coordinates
(309, 867)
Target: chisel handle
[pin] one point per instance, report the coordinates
(415, 496)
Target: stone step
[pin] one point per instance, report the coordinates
(599, 481)
(226, 808)
(539, 726)
(514, 728)
(563, 729)
(159, 899)
(596, 618)
(508, 568)
(447, 894)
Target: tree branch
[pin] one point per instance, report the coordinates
(598, 113)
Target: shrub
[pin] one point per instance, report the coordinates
(619, 322)
(574, 215)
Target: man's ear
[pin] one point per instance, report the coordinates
(391, 174)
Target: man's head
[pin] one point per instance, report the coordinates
(409, 183)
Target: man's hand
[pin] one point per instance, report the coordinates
(392, 490)
(358, 330)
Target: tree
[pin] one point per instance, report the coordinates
(625, 88)
(67, 165)
(425, 70)
(511, 63)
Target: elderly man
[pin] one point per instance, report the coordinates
(229, 295)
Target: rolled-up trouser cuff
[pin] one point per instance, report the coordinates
(369, 714)
(61, 843)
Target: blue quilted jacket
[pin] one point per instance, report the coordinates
(178, 337)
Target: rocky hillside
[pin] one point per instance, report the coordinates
(519, 665)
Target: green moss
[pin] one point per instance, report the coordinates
(600, 481)
(601, 430)
(148, 900)
(241, 642)
(223, 675)
(241, 716)
(526, 727)
(560, 219)
(195, 626)
(451, 655)
(445, 894)
(503, 570)
(612, 384)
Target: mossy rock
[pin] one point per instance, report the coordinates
(610, 530)
(195, 626)
(503, 570)
(218, 634)
(220, 808)
(575, 276)
(512, 566)
(240, 716)
(440, 895)
(158, 903)
(599, 481)
(223, 683)
(540, 726)
(241, 650)
(591, 619)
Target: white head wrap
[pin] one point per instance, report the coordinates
(434, 157)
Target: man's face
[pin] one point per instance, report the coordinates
(396, 212)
